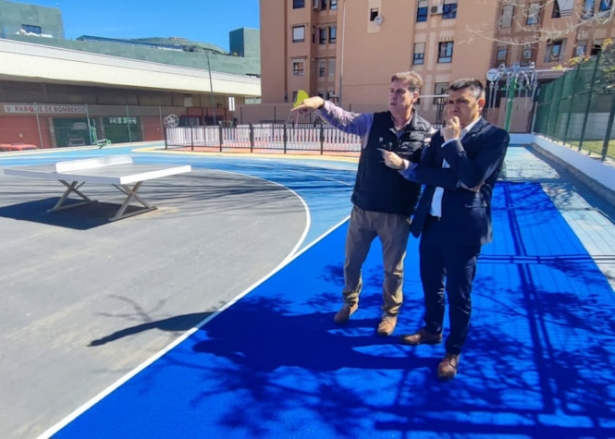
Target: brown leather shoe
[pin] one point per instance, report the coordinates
(421, 337)
(386, 325)
(447, 369)
(345, 312)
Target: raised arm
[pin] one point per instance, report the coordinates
(351, 123)
(472, 172)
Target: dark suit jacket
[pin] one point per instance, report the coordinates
(466, 215)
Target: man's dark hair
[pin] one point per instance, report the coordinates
(477, 88)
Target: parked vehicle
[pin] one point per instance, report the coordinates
(17, 147)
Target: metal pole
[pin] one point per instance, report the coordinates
(572, 99)
(161, 123)
(609, 129)
(38, 124)
(509, 104)
(128, 124)
(211, 88)
(589, 99)
(87, 115)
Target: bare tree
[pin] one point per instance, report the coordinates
(521, 22)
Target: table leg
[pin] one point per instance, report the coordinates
(131, 193)
(71, 187)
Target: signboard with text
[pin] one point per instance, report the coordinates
(44, 109)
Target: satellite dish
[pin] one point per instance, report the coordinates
(492, 75)
(378, 20)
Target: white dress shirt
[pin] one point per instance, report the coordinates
(436, 202)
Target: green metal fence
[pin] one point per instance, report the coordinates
(578, 108)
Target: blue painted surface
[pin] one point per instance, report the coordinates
(538, 362)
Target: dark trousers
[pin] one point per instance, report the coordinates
(440, 258)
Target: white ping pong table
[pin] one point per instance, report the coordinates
(118, 171)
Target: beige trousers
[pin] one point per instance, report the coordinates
(393, 231)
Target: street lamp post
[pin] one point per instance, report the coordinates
(211, 88)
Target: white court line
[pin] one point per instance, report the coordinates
(321, 177)
(287, 260)
(76, 413)
(308, 222)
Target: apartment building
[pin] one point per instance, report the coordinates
(346, 50)
(549, 33)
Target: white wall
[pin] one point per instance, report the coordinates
(602, 172)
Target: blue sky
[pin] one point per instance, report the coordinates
(199, 20)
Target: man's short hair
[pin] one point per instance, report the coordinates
(475, 86)
(412, 79)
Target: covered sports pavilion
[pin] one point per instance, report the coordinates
(54, 97)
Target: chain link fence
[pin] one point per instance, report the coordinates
(578, 108)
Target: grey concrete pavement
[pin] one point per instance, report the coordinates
(84, 301)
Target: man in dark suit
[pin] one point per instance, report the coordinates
(459, 170)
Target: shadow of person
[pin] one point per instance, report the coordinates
(258, 337)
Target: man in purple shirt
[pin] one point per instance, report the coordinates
(383, 199)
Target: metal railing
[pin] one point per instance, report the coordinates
(264, 137)
(578, 109)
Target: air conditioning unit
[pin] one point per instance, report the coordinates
(436, 10)
(315, 4)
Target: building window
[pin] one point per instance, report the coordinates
(445, 52)
(421, 10)
(526, 56)
(588, 9)
(449, 9)
(440, 88)
(562, 8)
(580, 48)
(596, 47)
(333, 4)
(502, 54)
(554, 51)
(332, 34)
(298, 68)
(557, 12)
(373, 13)
(533, 13)
(298, 34)
(507, 16)
(298, 4)
(322, 68)
(323, 5)
(419, 54)
(605, 5)
(322, 35)
(30, 28)
(331, 67)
